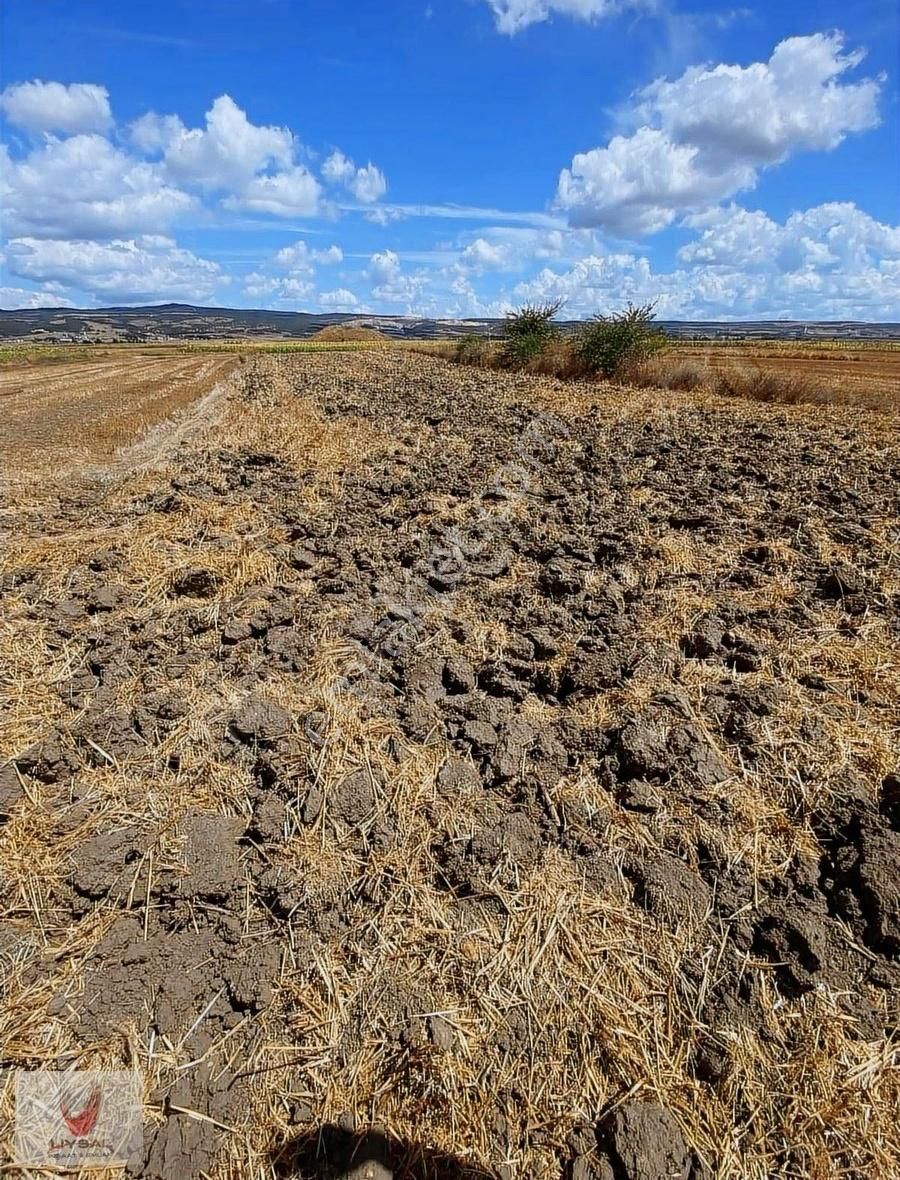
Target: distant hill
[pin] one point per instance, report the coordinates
(182, 321)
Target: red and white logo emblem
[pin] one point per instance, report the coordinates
(77, 1118)
(82, 1124)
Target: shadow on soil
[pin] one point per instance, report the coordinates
(330, 1153)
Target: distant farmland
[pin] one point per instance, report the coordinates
(176, 321)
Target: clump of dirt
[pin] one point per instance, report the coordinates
(260, 722)
(11, 790)
(644, 1142)
(194, 582)
(183, 959)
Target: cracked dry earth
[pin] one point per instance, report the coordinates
(436, 773)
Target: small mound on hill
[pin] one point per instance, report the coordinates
(341, 333)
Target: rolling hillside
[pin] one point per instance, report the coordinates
(179, 321)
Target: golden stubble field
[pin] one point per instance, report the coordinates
(479, 773)
(68, 414)
(866, 374)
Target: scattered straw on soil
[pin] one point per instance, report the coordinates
(491, 775)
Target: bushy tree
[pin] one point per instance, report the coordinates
(528, 331)
(611, 345)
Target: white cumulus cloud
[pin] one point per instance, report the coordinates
(299, 257)
(339, 300)
(732, 237)
(367, 184)
(84, 187)
(227, 153)
(277, 290)
(389, 283)
(796, 101)
(593, 284)
(154, 133)
(17, 298)
(513, 15)
(830, 262)
(836, 238)
(330, 256)
(51, 106)
(338, 168)
(704, 136)
(132, 270)
(384, 266)
(296, 258)
(484, 255)
(636, 185)
(384, 215)
(293, 193)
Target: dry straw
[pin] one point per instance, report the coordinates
(561, 1000)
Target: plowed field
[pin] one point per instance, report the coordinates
(462, 772)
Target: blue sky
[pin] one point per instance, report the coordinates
(453, 157)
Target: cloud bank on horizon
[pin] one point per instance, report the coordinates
(230, 208)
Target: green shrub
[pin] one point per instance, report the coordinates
(528, 332)
(472, 349)
(614, 344)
